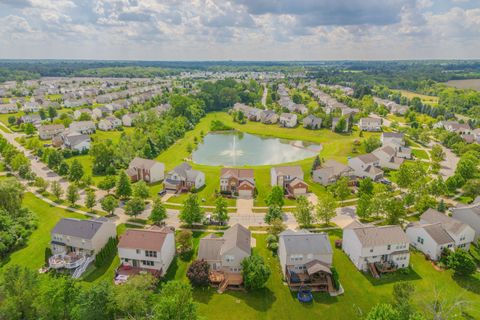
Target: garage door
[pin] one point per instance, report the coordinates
(244, 193)
(300, 191)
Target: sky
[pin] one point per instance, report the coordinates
(240, 29)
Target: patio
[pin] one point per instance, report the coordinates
(317, 276)
(70, 260)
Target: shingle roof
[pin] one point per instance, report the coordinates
(84, 229)
(450, 224)
(293, 171)
(305, 242)
(213, 247)
(438, 233)
(367, 158)
(237, 173)
(371, 236)
(142, 163)
(144, 239)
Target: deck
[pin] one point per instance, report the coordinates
(225, 280)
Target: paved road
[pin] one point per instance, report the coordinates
(448, 166)
(264, 96)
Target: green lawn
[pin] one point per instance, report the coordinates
(361, 291)
(420, 154)
(33, 254)
(335, 146)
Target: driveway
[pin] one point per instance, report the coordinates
(312, 198)
(345, 216)
(244, 206)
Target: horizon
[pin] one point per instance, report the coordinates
(240, 30)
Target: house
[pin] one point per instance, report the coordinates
(109, 123)
(101, 112)
(75, 243)
(476, 134)
(330, 172)
(31, 107)
(288, 120)
(84, 127)
(470, 215)
(227, 252)
(78, 113)
(436, 231)
(184, 178)
(76, 141)
(366, 165)
(8, 108)
(128, 119)
(335, 122)
(388, 157)
(147, 170)
(306, 259)
(370, 124)
(376, 248)
(269, 117)
(34, 119)
(49, 131)
(290, 178)
(312, 122)
(163, 108)
(147, 249)
(393, 138)
(454, 126)
(237, 181)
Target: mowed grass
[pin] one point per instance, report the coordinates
(465, 84)
(420, 154)
(33, 254)
(276, 301)
(334, 146)
(431, 100)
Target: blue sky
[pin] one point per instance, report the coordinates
(240, 29)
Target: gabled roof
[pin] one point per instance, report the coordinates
(292, 171)
(372, 236)
(142, 163)
(151, 239)
(398, 135)
(450, 224)
(237, 173)
(84, 229)
(368, 158)
(305, 242)
(213, 247)
(438, 233)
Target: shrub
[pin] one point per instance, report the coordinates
(335, 278)
(106, 253)
(198, 272)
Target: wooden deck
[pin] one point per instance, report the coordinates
(224, 280)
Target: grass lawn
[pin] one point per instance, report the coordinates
(114, 135)
(276, 301)
(33, 254)
(431, 100)
(420, 154)
(335, 146)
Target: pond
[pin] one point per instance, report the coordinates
(239, 149)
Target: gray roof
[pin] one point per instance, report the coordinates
(372, 236)
(213, 247)
(305, 242)
(76, 139)
(292, 171)
(84, 229)
(450, 224)
(142, 163)
(438, 233)
(185, 170)
(399, 135)
(368, 158)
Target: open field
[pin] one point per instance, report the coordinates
(465, 84)
(431, 100)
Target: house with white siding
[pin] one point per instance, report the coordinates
(470, 215)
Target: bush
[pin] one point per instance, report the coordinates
(462, 263)
(198, 272)
(335, 278)
(106, 253)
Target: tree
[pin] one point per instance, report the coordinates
(472, 188)
(191, 212)
(52, 113)
(140, 190)
(402, 295)
(108, 183)
(91, 200)
(461, 262)
(303, 212)
(273, 213)
(372, 143)
(255, 272)
(41, 184)
(134, 206)
(12, 120)
(175, 302)
(63, 168)
(11, 195)
(134, 298)
(184, 241)
(159, 213)
(18, 290)
(364, 206)
(76, 171)
(383, 311)
(29, 129)
(341, 125)
(96, 303)
(56, 189)
(316, 163)
(366, 186)
(109, 203)
(437, 153)
(325, 208)
(394, 210)
(340, 188)
(198, 272)
(72, 194)
(220, 213)
(124, 187)
(57, 297)
(276, 197)
(441, 206)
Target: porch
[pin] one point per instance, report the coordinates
(224, 280)
(316, 276)
(69, 260)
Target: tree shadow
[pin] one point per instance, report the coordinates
(469, 283)
(172, 270)
(260, 300)
(203, 294)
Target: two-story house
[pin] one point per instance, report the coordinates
(50, 130)
(370, 124)
(290, 178)
(183, 178)
(288, 120)
(147, 170)
(306, 259)
(84, 127)
(237, 181)
(330, 172)
(366, 165)
(376, 248)
(147, 249)
(470, 215)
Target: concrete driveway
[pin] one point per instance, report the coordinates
(345, 216)
(244, 206)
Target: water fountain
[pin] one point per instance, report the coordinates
(233, 152)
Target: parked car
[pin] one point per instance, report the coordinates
(162, 192)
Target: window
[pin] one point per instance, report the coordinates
(148, 263)
(371, 250)
(229, 258)
(296, 257)
(420, 240)
(150, 253)
(389, 247)
(138, 251)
